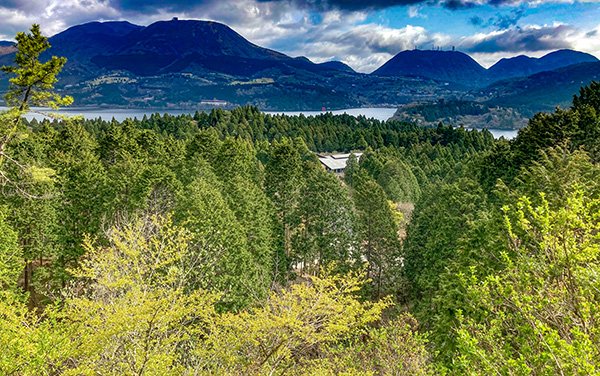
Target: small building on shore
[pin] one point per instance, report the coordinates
(213, 102)
(336, 163)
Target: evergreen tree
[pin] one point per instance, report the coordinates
(377, 232)
(222, 261)
(283, 180)
(31, 85)
(327, 224)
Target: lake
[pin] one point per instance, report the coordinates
(509, 134)
(379, 113)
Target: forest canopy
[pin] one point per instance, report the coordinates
(216, 243)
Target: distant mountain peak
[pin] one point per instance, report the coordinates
(522, 66)
(7, 47)
(102, 27)
(338, 66)
(452, 66)
(172, 46)
(184, 37)
(303, 58)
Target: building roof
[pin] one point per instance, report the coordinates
(334, 164)
(345, 156)
(336, 161)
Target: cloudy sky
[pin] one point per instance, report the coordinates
(361, 33)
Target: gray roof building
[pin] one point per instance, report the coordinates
(336, 162)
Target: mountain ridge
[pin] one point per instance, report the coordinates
(522, 66)
(542, 91)
(459, 67)
(181, 63)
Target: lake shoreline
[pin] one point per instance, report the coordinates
(120, 114)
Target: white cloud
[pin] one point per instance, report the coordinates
(331, 35)
(530, 40)
(365, 47)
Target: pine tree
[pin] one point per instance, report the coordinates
(31, 85)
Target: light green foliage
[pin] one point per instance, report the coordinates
(291, 328)
(539, 314)
(394, 348)
(11, 257)
(40, 174)
(31, 345)
(135, 308)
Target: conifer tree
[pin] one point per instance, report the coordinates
(31, 84)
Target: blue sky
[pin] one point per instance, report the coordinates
(363, 34)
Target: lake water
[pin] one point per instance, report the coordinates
(509, 134)
(379, 113)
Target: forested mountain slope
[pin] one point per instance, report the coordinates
(542, 91)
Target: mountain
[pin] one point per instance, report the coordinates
(563, 58)
(181, 63)
(522, 66)
(82, 42)
(190, 63)
(196, 47)
(175, 46)
(337, 65)
(458, 67)
(7, 47)
(518, 66)
(450, 66)
(542, 91)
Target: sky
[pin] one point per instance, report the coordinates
(363, 34)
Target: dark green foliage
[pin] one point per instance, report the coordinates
(326, 223)
(287, 215)
(445, 109)
(283, 179)
(33, 80)
(11, 258)
(484, 257)
(223, 262)
(575, 127)
(377, 232)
